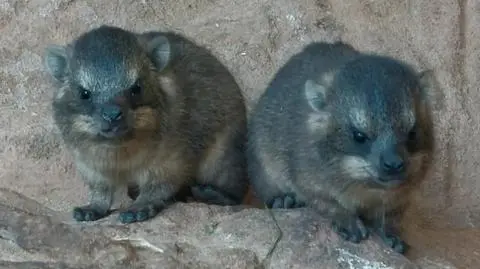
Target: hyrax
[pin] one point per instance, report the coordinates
(152, 112)
(344, 132)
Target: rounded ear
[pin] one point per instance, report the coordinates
(159, 50)
(430, 90)
(56, 61)
(315, 92)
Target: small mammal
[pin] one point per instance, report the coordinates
(344, 132)
(152, 112)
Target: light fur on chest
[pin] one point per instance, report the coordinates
(165, 161)
(362, 198)
(121, 158)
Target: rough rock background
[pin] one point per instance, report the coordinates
(186, 236)
(253, 38)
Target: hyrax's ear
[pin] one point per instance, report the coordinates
(315, 92)
(56, 61)
(430, 90)
(160, 51)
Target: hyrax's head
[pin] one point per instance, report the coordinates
(110, 89)
(374, 114)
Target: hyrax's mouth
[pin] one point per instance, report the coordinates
(136, 123)
(116, 131)
(391, 181)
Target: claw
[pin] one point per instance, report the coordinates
(138, 214)
(87, 213)
(350, 228)
(286, 201)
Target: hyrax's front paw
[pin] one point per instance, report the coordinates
(350, 228)
(138, 213)
(211, 195)
(88, 213)
(286, 201)
(392, 240)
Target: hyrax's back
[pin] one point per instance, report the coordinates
(211, 93)
(215, 119)
(209, 86)
(277, 118)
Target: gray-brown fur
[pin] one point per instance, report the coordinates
(318, 132)
(183, 125)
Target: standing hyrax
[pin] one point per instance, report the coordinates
(344, 132)
(150, 111)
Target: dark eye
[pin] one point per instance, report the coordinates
(359, 137)
(135, 89)
(85, 94)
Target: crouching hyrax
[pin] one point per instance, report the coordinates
(152, 112)
(344, 132)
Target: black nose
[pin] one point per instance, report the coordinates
(111, 113)
(392, 163)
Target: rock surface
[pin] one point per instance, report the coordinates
(192, 235)
(253, 38)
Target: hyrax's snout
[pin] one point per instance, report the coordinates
(392, 163)
(114, 119)
(112, 113)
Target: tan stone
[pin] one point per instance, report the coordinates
(192, 236)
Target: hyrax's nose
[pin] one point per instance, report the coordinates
(111, 113)
(392, 163)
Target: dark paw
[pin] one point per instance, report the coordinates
(138, 214)
(350, 228)
(209, 194)
(395, 242)
(88, 213)
(285, 202)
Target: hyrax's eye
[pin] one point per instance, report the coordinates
(136, 89)
(85, 94)
(359, 137)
